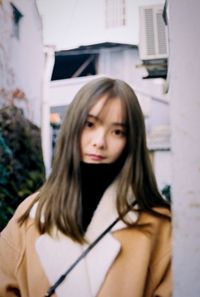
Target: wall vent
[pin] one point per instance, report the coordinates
(153, 40)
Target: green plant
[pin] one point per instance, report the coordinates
(22, 169)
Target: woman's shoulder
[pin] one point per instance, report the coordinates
(25, 204)
(14, 233)
(151, 231)
(163, 211)
(156, 214)
(156, 222)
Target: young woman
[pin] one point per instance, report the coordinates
(101, 172)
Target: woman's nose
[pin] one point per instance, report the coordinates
(98, 139)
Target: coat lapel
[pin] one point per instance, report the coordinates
(57, 253)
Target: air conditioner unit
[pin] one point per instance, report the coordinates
(153, 40)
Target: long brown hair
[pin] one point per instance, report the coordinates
(59, 200)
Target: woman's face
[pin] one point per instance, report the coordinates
(103, 137)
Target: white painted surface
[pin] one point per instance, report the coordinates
(62, 92)
(27, 58)
(45, 127)
(72, 23)
(162, 168)
(184, 32)
(6, 75)
(21, 59)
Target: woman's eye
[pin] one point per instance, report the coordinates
(89, 124)
(119, 132)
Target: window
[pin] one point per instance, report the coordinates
(115, 13)
(74, 65)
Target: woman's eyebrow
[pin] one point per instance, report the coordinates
(121, 124)
(93, 116)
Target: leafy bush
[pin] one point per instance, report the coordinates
(22, 169)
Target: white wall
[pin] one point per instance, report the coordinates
(71, 23)
(184, 61)
(162, 168)
(27, 57)
(6, 74)
(22, 59)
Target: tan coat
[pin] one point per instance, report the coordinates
(127, 262)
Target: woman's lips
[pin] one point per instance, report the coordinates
(95, 157)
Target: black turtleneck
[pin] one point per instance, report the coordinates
(95, 179)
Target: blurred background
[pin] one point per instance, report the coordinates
(49, 49)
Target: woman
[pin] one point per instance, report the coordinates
(101, 171)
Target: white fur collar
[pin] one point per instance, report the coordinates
(57, 254)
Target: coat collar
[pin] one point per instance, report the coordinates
(57, 253)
